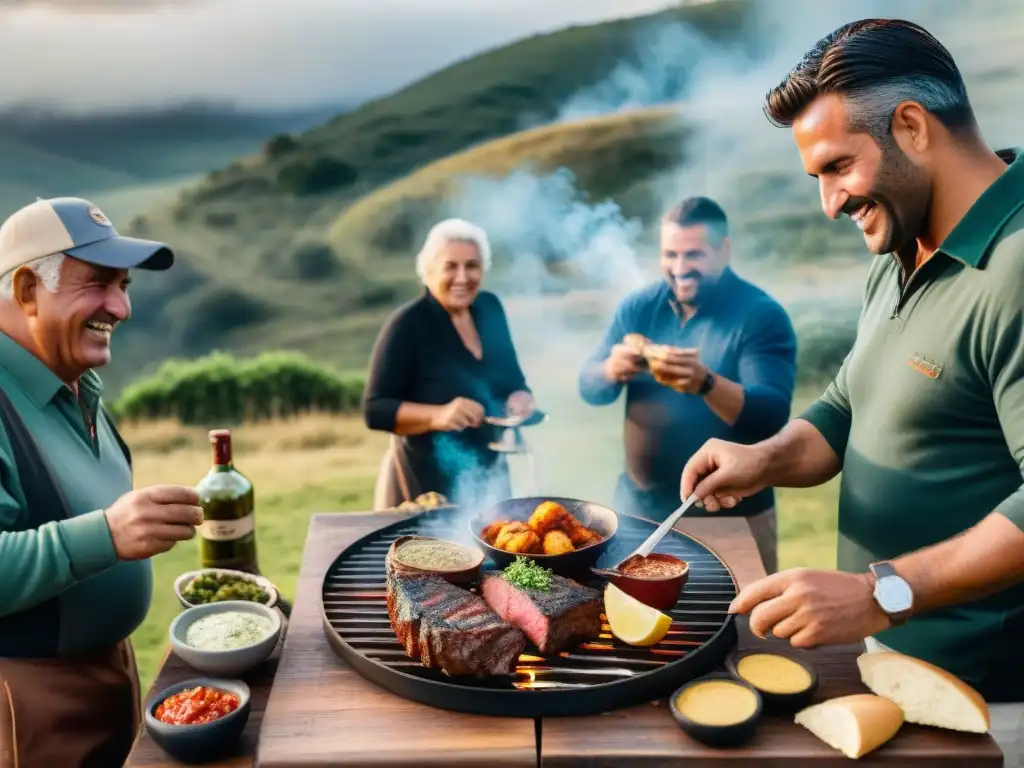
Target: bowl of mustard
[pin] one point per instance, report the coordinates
(717, 710)
(785, 681)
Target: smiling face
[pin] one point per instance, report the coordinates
(455, 274)
(690, 262)
(885, 194)
(71, 328)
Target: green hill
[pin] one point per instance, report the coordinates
(27, 172)
(309, 243)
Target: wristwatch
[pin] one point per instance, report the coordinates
(892, 593)
(708, 384)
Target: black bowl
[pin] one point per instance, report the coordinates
(601, 519)
(774, 701)
(205, 741)
(729, 735)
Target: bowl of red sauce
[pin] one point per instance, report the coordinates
(199, 720)
(655, 580)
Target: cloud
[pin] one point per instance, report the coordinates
(113, 54)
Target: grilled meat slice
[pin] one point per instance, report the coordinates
(450, 628)
(566, 615)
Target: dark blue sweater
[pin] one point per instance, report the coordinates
(744, 335)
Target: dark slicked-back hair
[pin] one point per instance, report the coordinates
(875, 64)
(694, 211)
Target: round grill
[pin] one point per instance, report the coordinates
(594, 677)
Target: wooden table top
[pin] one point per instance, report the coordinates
(647, 736)
(320, 712)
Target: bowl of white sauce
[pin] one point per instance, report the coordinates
(226, 638)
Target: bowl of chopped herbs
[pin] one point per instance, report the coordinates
(215, 585)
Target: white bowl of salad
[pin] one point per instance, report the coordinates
(216, 585)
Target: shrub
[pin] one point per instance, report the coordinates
(320, 175)
(218, 388)
(279, 145)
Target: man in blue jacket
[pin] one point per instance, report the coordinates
(702, 354)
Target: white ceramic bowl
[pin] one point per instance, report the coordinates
(230, 662)
(182, 581)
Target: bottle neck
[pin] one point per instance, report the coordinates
(222, 453)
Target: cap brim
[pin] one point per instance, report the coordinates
(121, 252)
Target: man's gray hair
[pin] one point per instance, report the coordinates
(871, 109)
(444, 232)
(47, 269)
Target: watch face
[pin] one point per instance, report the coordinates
(893, 594)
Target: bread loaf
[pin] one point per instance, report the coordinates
(927, 694)
(855, 725)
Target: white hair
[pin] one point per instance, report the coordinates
(47, 269)
(444, 232)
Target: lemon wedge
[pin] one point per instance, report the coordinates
(631, 621)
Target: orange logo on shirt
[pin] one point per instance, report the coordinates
(929, 368)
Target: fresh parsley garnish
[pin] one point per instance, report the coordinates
(526, 574)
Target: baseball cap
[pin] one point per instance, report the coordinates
(78, 228)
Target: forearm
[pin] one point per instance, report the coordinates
(726, 400)
(799, 456)
(415, 418)
(985, 559)
(42, 563)
(595, 386)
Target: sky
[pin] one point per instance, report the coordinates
(89, 55)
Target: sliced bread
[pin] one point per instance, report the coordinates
(927, 694)
(855, 725)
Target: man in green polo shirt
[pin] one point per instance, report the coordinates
(75, 539)
(926, 415)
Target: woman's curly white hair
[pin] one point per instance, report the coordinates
(447, 231)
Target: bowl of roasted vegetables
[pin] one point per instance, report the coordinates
(215, 585)
(565, 535)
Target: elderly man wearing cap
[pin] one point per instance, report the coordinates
(75, 579)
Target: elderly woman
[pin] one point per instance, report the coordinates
(442, 363)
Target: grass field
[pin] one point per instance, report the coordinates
(328, 464)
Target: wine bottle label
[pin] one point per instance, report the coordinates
(228, 530)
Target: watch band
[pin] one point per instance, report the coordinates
(708, 384)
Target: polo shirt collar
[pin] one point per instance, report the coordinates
(39, 383)
(975, 234)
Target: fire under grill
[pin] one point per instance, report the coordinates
(593, 677)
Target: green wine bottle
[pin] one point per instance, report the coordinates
(227, 537)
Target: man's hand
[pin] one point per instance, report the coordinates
(458, 415)
(722, 474)
(679, 369)
(151, 520)
(520, 404)
(811, 607)
(623, 363)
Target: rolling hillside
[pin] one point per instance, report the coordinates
(309, 243)
(46, 153)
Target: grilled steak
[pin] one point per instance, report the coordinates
(449, 628)
(566, 615)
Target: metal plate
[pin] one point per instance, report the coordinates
(594, 677)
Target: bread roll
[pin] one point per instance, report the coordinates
(635, 342)
(855, 725)
(927, 694)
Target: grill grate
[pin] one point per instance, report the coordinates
(599, 675)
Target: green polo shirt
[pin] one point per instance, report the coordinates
(101, 600)
(927, 414)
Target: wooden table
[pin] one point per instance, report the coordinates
(319, 712)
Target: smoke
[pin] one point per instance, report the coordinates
(782, 240)
(539, 221)
(666, 62)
